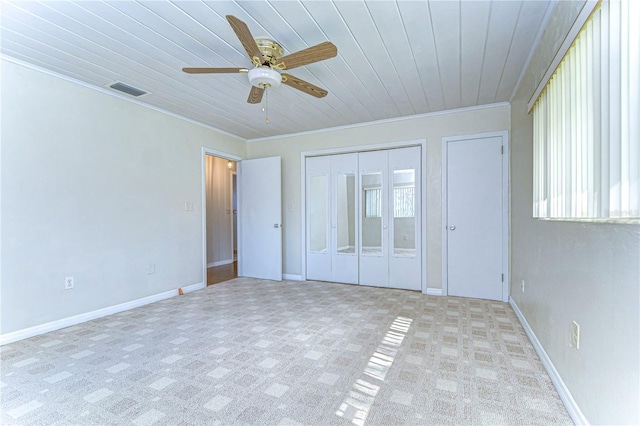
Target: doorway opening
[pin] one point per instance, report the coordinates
(220, 201)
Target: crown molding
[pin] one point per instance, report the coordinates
(383, 121)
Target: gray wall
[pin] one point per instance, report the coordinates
(94, 187)
(583, 272)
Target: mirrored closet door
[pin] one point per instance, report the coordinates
(331, 197)
(363, 217)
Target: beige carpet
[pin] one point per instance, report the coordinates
(260, 352)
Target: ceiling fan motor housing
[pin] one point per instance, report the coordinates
(264, 77)
(270, 50)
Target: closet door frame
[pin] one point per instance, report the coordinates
(364, 148)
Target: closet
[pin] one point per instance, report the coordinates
(363, 218)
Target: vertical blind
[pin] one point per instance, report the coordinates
(585, 140)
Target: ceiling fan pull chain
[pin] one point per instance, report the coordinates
(266, 106)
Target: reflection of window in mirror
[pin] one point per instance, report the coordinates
(403, 193)
(372, 202)
(404, 226)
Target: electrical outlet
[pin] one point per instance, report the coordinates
(68, 283)
(575, 335)
(151, 268)
(188, 206)
(523, 286)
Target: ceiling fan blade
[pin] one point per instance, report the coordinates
(243, 33)
(255, 96)
(303, 86)
(213, 70)
(309, 55)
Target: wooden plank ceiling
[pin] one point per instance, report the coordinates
(394, 59)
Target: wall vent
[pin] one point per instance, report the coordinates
(125, 88)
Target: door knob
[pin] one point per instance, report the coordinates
(275, 225)
(452, 227)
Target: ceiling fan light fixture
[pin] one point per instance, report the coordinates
(264, 77)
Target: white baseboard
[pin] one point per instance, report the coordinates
(434, 291)
(292, 277)
(220, 263)
(88, 316)
(563, 391)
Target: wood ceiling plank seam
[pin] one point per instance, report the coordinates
(546, 15)
(325, 82)
(397, 54)
(473, 40)
(260, 12)
(291, 107)
(435, 46)
(388, 99)
(303, 45)
(158, 95)
(292, 30)
(413, 57)
(170, 100)
(224, 24)
(355, 89)
(106, 79)
(128, 34)
(159, 83)
(444, 20)
(501, 28)
(525, 34)
(304, 99)
(20, 55)
(170, 41)
(513, 33)
(330, 68)
(77, 36)
(370, 100)
(424, 49)
(220, 121)
(49, 64)
(369, 41)
(69, 58)
(251, 22)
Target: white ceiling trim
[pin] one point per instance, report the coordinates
(113, 93)
(383, 121)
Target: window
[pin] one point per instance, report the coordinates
(585, 141)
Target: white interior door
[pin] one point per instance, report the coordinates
(474, 228)
(260, 211)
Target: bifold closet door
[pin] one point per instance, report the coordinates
(405, 213)
(332, 214)
(374, 223)
(344, 218)
(390, 218)
(318, 210)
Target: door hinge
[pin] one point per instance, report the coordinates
(502, 149)
(502, 277)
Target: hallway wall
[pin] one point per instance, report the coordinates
(219, 211)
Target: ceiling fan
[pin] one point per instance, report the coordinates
(266, 56)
